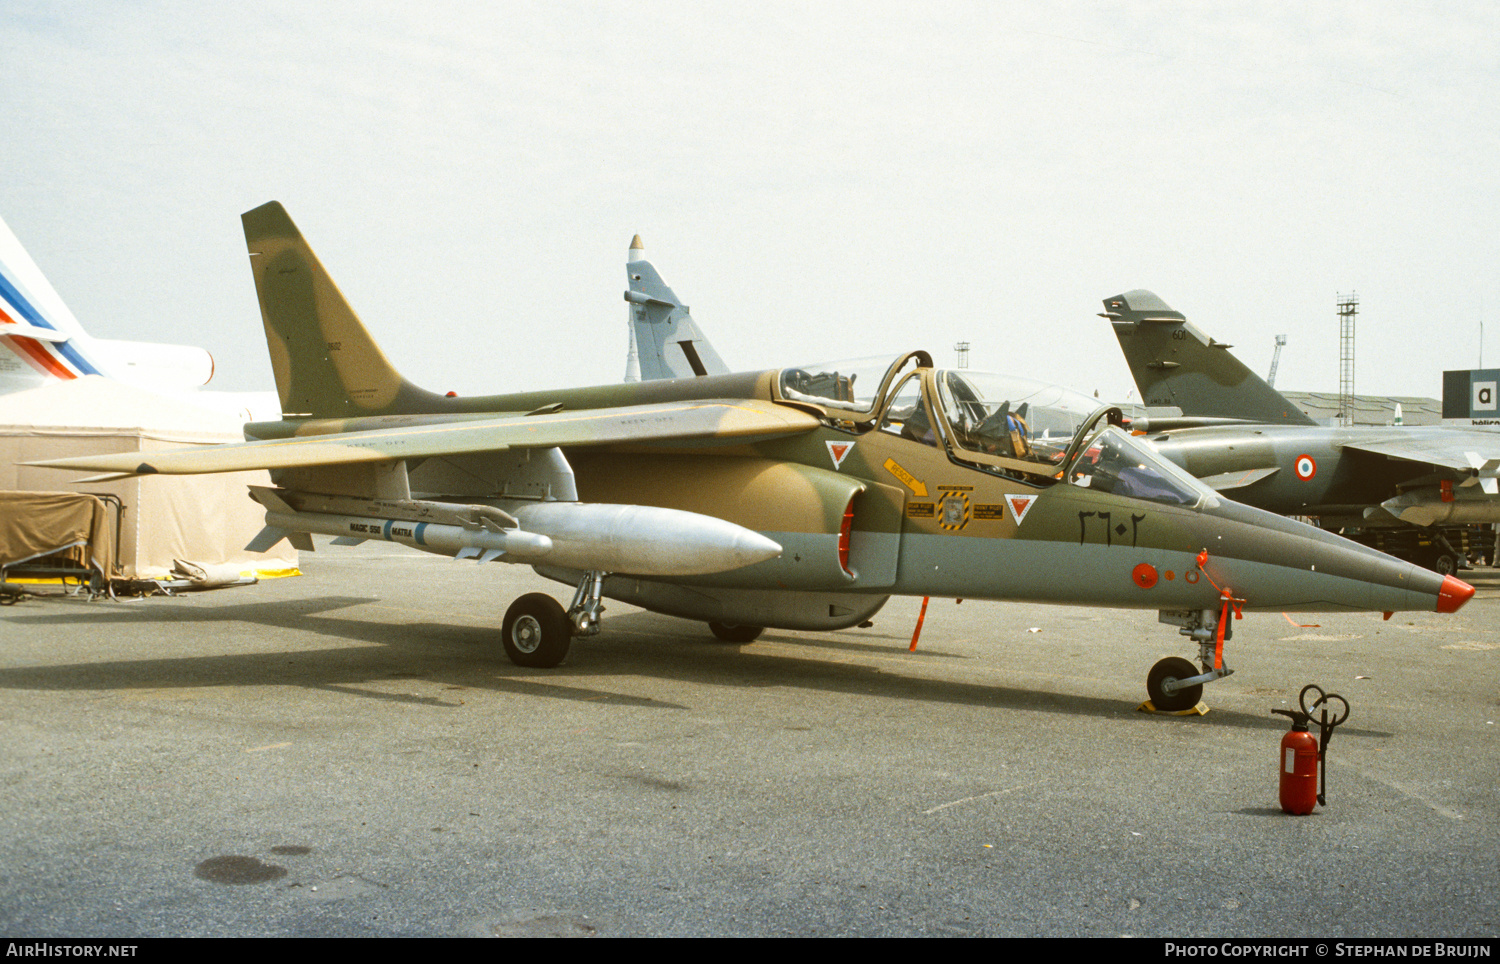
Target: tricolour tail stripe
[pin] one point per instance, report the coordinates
(42, 357)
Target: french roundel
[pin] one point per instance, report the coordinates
(1306, 467)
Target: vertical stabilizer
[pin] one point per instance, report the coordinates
(668, 343)
(1175, 364)
(326, 363)
(40, 339)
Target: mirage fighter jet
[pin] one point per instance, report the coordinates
(799, 498)
(1406, 489)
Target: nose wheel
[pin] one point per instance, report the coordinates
(1164, 686)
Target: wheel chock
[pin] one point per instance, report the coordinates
(1148, 707)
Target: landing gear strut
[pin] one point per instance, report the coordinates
(537, 631)
(587, 604)
(1174, 683)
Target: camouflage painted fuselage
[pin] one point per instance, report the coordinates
(926, 523)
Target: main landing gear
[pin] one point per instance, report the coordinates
(537, 631)
(1174, 683)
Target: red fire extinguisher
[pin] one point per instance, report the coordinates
(1304, 760)
(1299, 766)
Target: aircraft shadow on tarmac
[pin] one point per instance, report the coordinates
(470, 657)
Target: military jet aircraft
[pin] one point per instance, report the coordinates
(1376, 483)
(665, 342)
(801, 498)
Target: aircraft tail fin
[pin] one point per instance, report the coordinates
(36, 327)
(665, 341)
(1175, 364)
(326, 363)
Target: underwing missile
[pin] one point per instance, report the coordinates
(640, 540)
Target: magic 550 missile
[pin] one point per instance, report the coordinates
(635, 539)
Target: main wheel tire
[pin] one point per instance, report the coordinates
(536, 631)
(1173, 668)
(1446, 564)
(733, 633)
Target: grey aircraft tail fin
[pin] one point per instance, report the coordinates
(665, 341)
(1175, 364)
(326, 363)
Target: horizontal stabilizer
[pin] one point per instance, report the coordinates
(32, 331)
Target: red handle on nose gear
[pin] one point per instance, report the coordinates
(920, 616)
(1229, 603)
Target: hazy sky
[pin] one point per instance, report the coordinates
(855, 179)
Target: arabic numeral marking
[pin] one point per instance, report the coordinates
(1083, 529)
(1109, 531)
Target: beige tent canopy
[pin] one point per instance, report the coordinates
(69, 532)
(206, 519)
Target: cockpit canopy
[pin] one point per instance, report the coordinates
(1017, 418)
(854, 385)
(977, 414)
(1001, 424)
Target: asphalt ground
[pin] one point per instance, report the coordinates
(349, 753)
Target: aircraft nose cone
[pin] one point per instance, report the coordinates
(1453, 594)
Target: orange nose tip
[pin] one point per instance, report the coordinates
(1455, 593)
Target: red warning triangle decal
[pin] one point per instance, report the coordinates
(1019, 505)
(838, 450)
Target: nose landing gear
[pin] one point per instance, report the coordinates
(1174, 684)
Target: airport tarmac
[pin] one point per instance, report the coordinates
(349, 753)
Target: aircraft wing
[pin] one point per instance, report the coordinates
(1465, 452)
(713, 419)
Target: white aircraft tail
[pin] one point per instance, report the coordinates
(40, 340)
(665, 342)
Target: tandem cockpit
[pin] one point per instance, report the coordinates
(1020, 428)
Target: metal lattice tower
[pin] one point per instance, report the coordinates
(1276, 358)
(1348, 309)
(961, 351)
